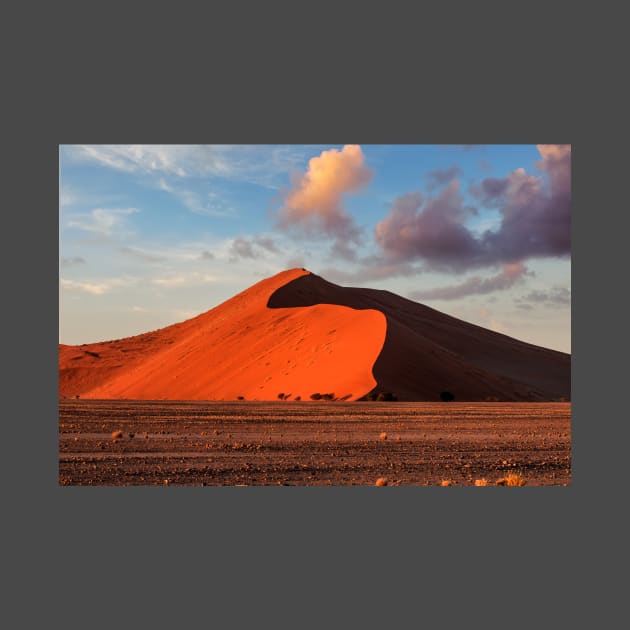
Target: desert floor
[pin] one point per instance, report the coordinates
(311, 443)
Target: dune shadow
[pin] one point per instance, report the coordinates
(426, 352)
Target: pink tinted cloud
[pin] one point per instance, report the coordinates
(314, 202)
(535, 219)
(433, 230)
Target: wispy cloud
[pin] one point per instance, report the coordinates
(256, 164)
(71, 262)
(140, 254)
(67, 198)
(96, 287)
(556, 297)
(509, 276)
(189, 279)
(101, 221)
(209, 204)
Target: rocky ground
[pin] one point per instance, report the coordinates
(118, 442)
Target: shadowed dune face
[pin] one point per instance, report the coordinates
(426, 352)
(241, 348)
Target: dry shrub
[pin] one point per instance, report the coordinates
(381, 481)
(512, 479)
(383, 436)
(446, 482)
(482, 482)
(117, 435)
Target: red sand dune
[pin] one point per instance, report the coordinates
(297, 334)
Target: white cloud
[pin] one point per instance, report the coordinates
(99, 287)
(67, 198)
(183, 280)
(257, 164)
(102, 221)
(210, 205)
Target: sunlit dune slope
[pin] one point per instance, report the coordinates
(240, 348)
(297, 334)
(426, 352)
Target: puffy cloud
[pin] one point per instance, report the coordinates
(242, 248)
(535, 219)
(511, 274)
(313, 203)
(252, 248)
(266, 242)
(439, 177)
(435, 233)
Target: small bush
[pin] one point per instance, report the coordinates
(330, 396)
(240, 398)
(298, 398)
(481, 482)
(446, 482)
(512, 479)
(447, 396)
(385, 397)
(281, 395)
(316, 396)
(380, 396)
(381, 481)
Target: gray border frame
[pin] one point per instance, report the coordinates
(302, 557)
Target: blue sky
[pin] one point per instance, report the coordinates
(154, 234)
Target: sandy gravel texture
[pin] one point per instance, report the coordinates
(312, 444)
